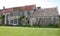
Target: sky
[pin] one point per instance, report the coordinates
(41, 3)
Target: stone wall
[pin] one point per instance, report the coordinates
(47, 20)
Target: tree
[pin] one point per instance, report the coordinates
(2, 19)
(59, 16)
(20, 19)
(59, 21)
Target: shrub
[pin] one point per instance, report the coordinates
(20, 19)
(3, 18)
(53, 25)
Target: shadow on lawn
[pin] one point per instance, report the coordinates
(35, 26)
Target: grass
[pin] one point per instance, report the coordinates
(25, 31)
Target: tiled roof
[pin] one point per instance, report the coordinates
(24, 8)
(47, 12)
(7, 10)
(30, 7)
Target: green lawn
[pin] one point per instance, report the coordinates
(25, 31)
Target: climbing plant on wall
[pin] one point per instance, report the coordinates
(20, 19)
(59, 21)
(2, 19)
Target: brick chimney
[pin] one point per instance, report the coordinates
(38, 7)
(3, 7)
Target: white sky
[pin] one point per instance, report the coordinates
(42, 3)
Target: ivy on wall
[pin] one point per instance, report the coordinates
(20, 19)
(2, 19)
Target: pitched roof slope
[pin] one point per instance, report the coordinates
(7, 10)
(24, 8)
(28, 7)
(47, 12)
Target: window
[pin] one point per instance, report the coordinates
(15, 13)
(11, 21)
(53, 19)
(11, 14)
(28, 12)
(15, 21)
(7, 17)
(22, 13)
(18, 13)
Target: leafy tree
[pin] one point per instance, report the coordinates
(3, 18)
(59, 21)
(20, 19)
(59, 16)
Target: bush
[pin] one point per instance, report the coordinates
(59, 22)
(20, 19)
(53, 25)
(3, 18)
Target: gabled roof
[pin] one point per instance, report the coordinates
(24, 8)
(47, 12)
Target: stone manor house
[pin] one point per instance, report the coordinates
(32, 15)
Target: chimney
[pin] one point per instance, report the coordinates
(3, 7)
(38, 7)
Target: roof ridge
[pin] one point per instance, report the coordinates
(21, 6)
